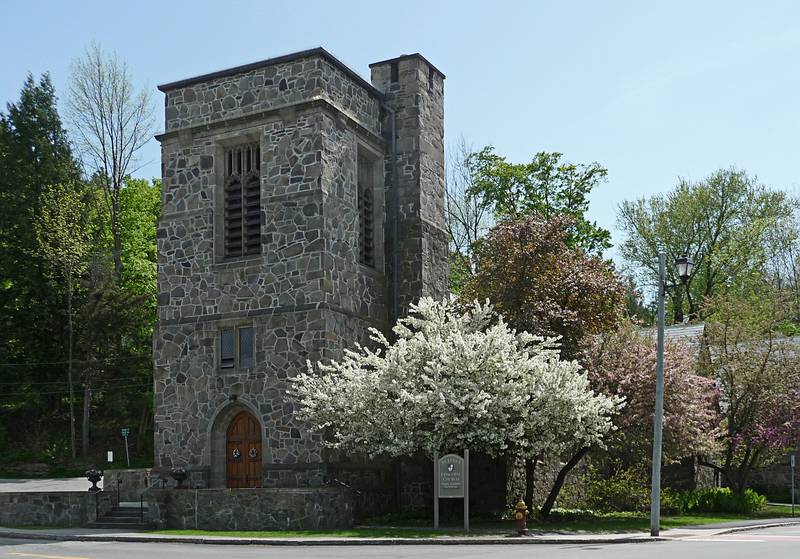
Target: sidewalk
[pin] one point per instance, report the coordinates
(96, 535)
(8, 485)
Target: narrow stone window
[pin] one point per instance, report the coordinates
(366, 215)
(242, 201)
(227, 349)
(394, 69)
(430, 78)
(246, 347)
(237, 347)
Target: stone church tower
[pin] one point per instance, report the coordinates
(301, 205)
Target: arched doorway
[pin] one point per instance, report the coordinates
(243, 451)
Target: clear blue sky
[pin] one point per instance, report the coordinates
(653, 91)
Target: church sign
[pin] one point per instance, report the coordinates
(451, 481)
(451, 477)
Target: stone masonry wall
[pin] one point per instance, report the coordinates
(63, 508)
(775, 480)
(416, 95)
(129, 482)
(268, 87)
(305, 294)
(252, 509)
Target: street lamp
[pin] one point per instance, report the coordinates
(683, 267)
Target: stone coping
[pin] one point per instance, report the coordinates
(406, 57)
(318, 51)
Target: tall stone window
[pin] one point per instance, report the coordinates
(366, 213)
(242, 201)
(236, 347)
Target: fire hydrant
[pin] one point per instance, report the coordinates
(521, 515)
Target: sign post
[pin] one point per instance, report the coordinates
(125, 433)
(791, 463)
(435, 490)
(451, 481)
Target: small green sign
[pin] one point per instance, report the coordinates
(126, 432)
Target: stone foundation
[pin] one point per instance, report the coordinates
(65, 509)
(251, 509)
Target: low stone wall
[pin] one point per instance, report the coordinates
(321, 508)
(130, 483)
(64, 508)
(775, 480)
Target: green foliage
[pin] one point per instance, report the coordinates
(728, 223)
(140, 202)
(622, 491)
(55, 226)
(720, 499)
(459, 271)
(628, 490)
(758, 374)
(34, 154)
(546, 186)
(569, 515)
(61, 227)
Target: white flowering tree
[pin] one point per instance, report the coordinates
(453, 379)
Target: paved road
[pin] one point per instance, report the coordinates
(775, 543)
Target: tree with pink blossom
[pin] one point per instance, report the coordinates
(758, 371)
(623, 363)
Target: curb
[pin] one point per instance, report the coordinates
(302, 542)
(509, 540)
(758, 527)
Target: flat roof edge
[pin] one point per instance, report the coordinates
(318, 51)
(405, 57)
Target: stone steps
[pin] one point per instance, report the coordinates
(123, 518)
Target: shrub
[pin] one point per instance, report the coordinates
(624, 491)
(569, 515)
(720, 499)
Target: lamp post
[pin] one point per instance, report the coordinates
(683, 266)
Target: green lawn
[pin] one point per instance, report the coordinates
(609, 523)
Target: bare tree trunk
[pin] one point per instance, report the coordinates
(115, 232)
(87, 402)
(559, 482)
(112, 121)
(143, 424)
(530, 479)
(69, 365)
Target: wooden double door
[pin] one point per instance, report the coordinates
(243, 446)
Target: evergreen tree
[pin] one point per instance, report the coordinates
(34, 153)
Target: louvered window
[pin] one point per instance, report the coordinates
(237, 347)
(366, 216)
(227, 348)
(243, 201)
(245, 348)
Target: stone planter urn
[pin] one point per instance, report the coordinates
(94, 476)
(179, 475)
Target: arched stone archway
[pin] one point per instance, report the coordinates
(218, 438)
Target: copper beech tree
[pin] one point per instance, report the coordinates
(540, 284)
(543, 284)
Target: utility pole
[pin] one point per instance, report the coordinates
(655, 492)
